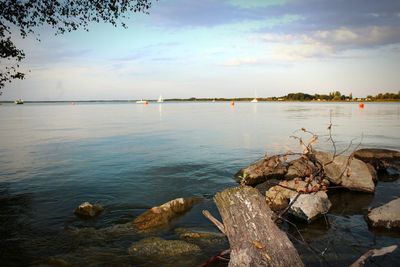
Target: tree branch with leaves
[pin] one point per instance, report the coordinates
(19, 17)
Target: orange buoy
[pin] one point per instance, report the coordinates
(232, 103)
(361, 105)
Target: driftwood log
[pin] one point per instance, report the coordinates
(254, 238)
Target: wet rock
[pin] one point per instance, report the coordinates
(262, 170)
(386, 162)
(301, 167)
(87, 210)
(354, 176)
(310, 206)
(379, 157)
(160, 216)
(201, 238)
(101, 236)
(155, 247)
(386, 216)
(278, 196)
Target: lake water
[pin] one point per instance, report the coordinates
(130, 157)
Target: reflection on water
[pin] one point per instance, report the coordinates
(131, 157)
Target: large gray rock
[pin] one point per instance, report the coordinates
(87, 210)
(386, 216)
(386, 162)
(160, 216)
(155, 247)
(262, 170)
(310, 206)
(349, 173)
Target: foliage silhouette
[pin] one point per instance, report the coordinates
(23, 17)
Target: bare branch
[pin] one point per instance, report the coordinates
(373, 253)
(217, 223)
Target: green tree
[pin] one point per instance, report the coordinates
(23, 17)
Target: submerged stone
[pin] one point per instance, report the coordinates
(199, 237)
(155, 247)
(87, 210)
(160, 216)
(386, 216)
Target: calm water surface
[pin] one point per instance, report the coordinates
(130, 157)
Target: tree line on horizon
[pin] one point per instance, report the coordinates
(338, 96)
(332, 96)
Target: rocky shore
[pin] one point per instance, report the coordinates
(292, 186)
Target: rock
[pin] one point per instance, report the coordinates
(262, 170)
(160, 216)
(155, 247)
(310, 206)
(386, 162)
(278, 196)
(386, 216)
(101, 235)
(87, 210)
(193, 234)
(378, 157)
(355, 176)
(301, 167)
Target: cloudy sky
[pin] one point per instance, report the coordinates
(221, 48)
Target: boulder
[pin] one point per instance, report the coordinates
(262, 170)
(354, 176)
(386, 162)
(158, 248)
(87, 210)
(386, 216)
(301, 167)
(278, 196)
(310, 206)
(160, 216)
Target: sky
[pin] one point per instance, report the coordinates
(220, 48)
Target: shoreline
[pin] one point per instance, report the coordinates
(246, 100)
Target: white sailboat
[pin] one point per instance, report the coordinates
(160, 99)
(255, 98)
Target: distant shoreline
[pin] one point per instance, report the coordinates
(203, 100)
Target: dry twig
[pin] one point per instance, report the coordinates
(373, 253)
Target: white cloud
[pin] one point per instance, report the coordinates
(319, 44)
